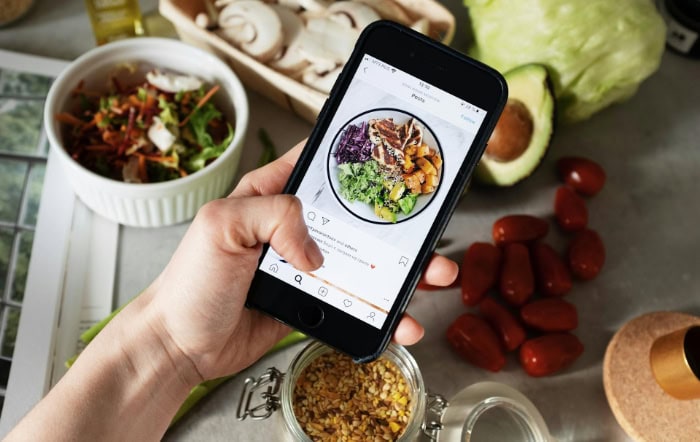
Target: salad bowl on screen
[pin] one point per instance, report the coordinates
(385, 166)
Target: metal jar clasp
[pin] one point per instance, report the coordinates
(266, 389)
(435, 408)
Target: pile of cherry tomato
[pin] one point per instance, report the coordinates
(518, 264)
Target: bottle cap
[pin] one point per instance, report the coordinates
(675, 362)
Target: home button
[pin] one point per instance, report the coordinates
(311, 315)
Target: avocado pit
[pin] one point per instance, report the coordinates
(512, 134)
(524, 130)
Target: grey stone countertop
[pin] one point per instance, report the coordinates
(647, 215)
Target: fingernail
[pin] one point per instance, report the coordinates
(313, 253)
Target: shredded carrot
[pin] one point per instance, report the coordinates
(182, 171)
(158, 159)
(201, 103)
(65, 117)
(143, 174)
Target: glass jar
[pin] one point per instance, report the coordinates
(485, 411)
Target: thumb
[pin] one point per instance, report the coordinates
(274, 219)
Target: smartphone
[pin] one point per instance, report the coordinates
(383, 170)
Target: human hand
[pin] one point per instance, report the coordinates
(201, 293)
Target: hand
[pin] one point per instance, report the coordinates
(201, 292)
(191, 323)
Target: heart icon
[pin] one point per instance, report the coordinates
(347, 302)
(372, 265)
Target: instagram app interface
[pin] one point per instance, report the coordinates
(377, 181)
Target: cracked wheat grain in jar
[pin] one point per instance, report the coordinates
(335, 399)
(324, 396)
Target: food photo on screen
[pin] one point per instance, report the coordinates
(385, 166)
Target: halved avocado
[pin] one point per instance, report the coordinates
(524, 130)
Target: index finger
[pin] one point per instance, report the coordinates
(271, 178)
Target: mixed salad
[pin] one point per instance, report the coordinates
(386, 165)
(162, 128)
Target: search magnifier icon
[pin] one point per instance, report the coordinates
(297, 278)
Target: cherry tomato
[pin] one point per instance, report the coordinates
(504, 322)
(551, 315)
(479, 271)
(551, 273)
(550, 353)
(585, 176)
(474, 339)
(570, 210)
(586, 254)
(517, 281)
(519, 228)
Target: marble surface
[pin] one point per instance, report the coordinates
(647, 215)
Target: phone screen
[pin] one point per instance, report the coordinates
(375, 185)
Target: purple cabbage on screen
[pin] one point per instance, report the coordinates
(354, 146)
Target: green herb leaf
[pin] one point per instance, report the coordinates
(269, 153)
(142, 94)
(168, 112)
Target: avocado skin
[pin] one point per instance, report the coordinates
(531, 85)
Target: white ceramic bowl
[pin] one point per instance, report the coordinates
(151, 204)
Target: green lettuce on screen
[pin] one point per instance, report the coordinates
(598, 51)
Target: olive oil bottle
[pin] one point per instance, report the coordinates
(114, 19)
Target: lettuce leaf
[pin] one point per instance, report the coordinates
(198, 123)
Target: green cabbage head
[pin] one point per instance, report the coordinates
(597, 51)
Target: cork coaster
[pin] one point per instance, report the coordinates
(639, 404)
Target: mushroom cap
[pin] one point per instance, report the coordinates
(254, 26)
(314, 5)
(353, 14)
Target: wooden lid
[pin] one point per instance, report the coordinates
(639, 404)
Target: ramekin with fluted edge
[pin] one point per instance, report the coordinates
(149, 204)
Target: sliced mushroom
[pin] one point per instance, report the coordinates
(389, 10)
(223, 3)
(289, 60)
(159, 135)
(422, 25)
(254, 26)
(352, 14)
(292, 5)
(322, 82)
(314, 5)
(326, 43)
(170, 82)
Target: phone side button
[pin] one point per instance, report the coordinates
(311, 315)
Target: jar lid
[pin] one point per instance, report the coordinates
(488, 411)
